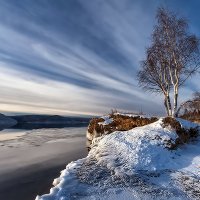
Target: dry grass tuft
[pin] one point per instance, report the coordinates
(119, 123)
(124, 123)
(184, 135)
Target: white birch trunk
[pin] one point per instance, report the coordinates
(175, 101)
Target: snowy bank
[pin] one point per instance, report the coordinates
(135, 164)
(115, 122)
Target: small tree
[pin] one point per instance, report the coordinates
(191, 105)
(172, 58)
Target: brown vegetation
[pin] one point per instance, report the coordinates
(190, 109)
(119, 123)
(192, 116)
(122, 122)
(184, 135)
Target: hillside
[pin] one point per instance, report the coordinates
(159, 160)
(6, 121)
(49, 119)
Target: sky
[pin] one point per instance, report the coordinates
(81, 57)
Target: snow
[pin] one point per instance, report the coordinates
(134, 164)
(89, 136)
(134, 115)
(186, 124)
(106, 121)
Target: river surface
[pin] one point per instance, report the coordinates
(31, 159)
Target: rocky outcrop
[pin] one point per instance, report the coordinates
(115, 122)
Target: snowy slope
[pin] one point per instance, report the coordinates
(133, 164)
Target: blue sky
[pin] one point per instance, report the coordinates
(80, 56)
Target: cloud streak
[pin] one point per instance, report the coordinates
(70, 57)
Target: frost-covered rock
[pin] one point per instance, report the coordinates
(134, 164)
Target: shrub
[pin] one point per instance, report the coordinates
(94, 125)
(119, 123)
(172, 122)
(184, 135)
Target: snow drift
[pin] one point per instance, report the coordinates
(134, 164)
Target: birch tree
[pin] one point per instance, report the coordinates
(175, 58)
(181, 48)
(154, 76)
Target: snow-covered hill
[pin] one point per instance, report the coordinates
(134, 164)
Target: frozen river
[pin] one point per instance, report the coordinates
(31, 157)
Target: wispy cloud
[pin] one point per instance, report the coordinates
(74, 56)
